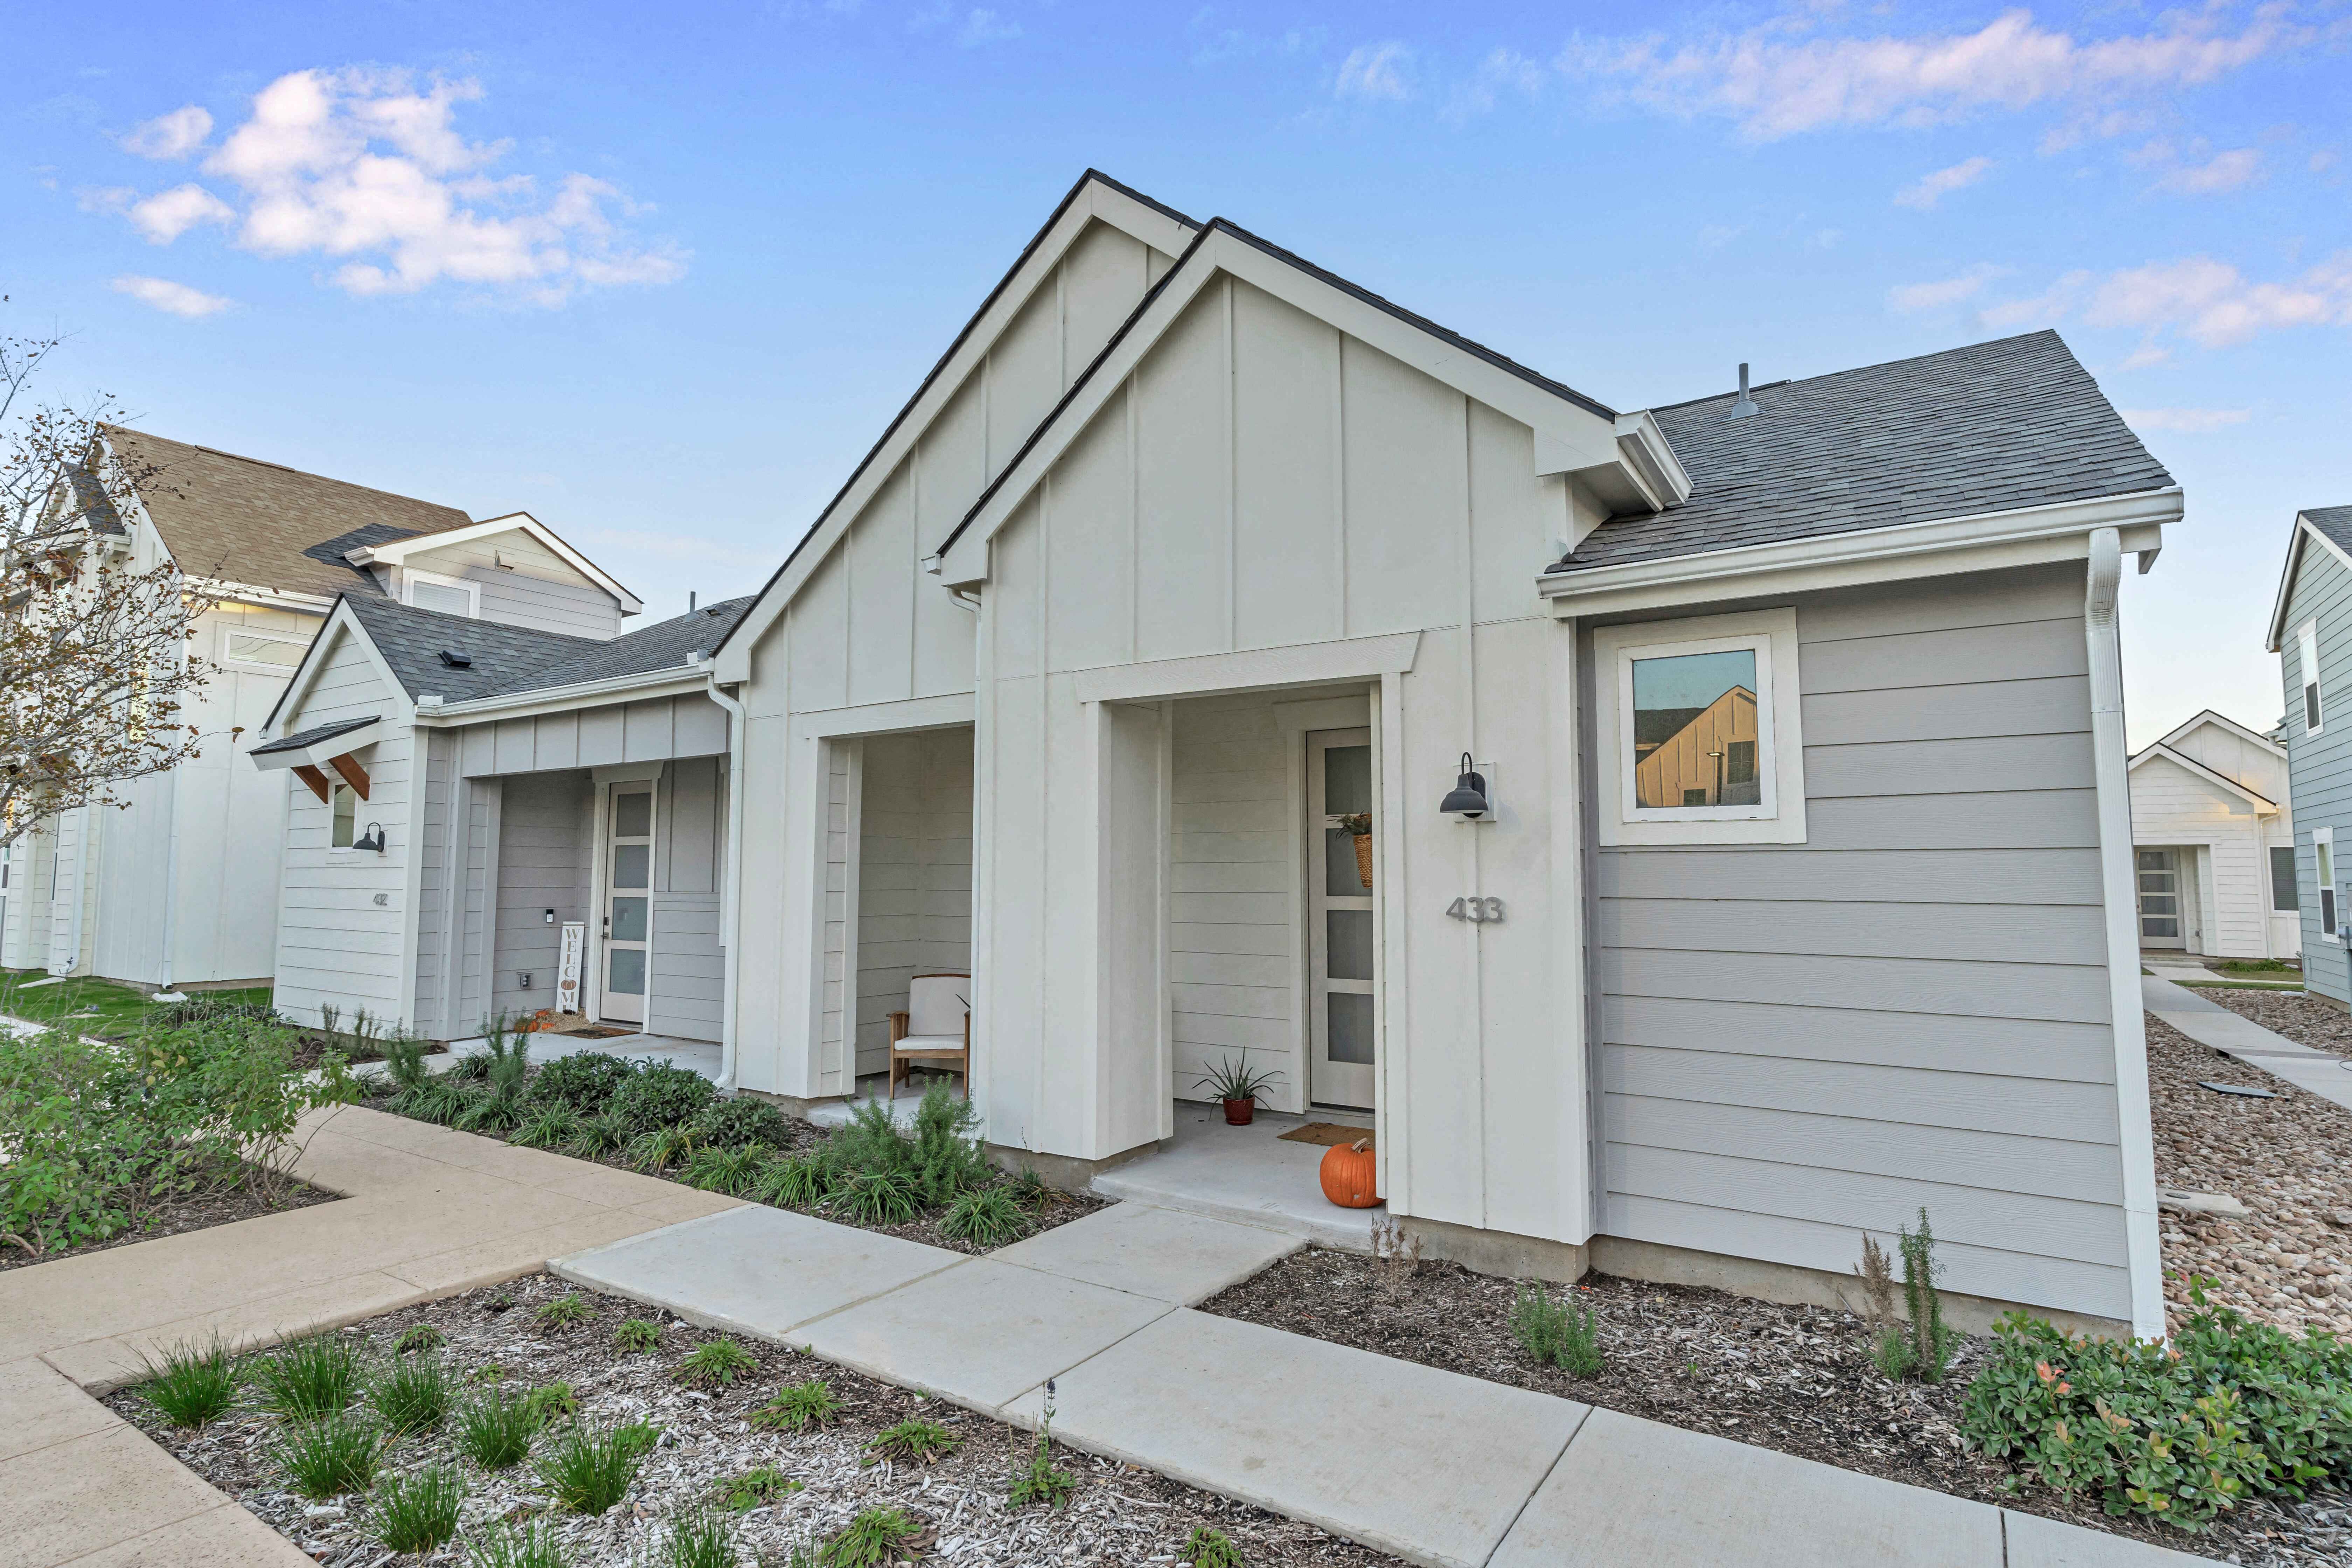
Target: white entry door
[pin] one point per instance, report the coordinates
(1340, 938)
(628, 899)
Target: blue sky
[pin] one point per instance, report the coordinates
(659, 276)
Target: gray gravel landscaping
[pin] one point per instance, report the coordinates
(1116, 1516)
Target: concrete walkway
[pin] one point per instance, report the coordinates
(2323, 1073)
(1437, 1467)
(427, 1213)
(1246, 1174)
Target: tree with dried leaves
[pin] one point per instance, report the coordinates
(94, 655)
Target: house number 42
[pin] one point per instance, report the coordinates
(1483, 911)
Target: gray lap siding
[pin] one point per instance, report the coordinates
(2319, 767)
(1910, 1009)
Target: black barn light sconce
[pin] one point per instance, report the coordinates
(1467, 799)
(372, 840)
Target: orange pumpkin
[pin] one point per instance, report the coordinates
(1349, 1177)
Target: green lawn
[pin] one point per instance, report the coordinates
(105, 1007)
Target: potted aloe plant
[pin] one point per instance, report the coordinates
(1238, 1087)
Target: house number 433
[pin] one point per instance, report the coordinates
(1483, 911)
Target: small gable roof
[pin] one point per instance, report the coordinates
(2208, 716)
(2332, 526)
(263, 524)
(1993, 426)
(2158, 752)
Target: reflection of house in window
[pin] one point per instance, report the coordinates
(1697, 756)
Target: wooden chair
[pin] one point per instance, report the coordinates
(935, 1028)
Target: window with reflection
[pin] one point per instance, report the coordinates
(1695, 730)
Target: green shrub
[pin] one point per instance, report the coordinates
(551, 1403)
(405, 1065)
(419, 1337)
(496, 1431)
(509, 1546)
(566, 1312)
(587, 1473)
(1927, 1342)
(440, 1100)
(586, 1082)
(699, 1540)
(730, 1170)
(874, 1197)
(730, 1124)
(309, 1378)
(661, 1148)
(328, 1458)
(794, 1182)
(716, 1363)
(798, 1407)
(1206, 1548)
(597, 1135)
(659, 1094)
(491, 1108)
(548, 1125)
(914, 1438)
(985, 1216)
(97, 1134)
(415, 1394)
(637, 1335)
(418, 1512)
(1559, 1334)
(2231, 1408)
(195, 1385)
(949, 1157)
(756, 1489)
(875, 1538)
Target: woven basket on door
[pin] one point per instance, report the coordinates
(1364, 857)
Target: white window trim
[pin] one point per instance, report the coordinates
(1780, 816)
(2323, 871)
(410, 577)
(298, 641)
(335, 791)
(2306, 647)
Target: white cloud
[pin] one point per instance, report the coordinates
(172, 135)
(2185, 421)
(1929, 189)
(362, 167)
(1908, 298)
(985, 26)
(1502, 71)
(1376, 71)
(165, 295)
(1774, 83)
(2226, 171)
(2210, 302)
(164, 217)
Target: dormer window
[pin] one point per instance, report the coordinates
(450, 595)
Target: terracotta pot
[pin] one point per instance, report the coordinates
(1239, 1112)
(1349, 1177)
(1364, 858)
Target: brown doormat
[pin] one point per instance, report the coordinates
(1330, 1134)
(591, 1032)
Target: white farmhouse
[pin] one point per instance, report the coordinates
(2213, 838)
(1741, 783)
(181, 886)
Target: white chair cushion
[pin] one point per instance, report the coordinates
(929, 1042)
(938, 1004)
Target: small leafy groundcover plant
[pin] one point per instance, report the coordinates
(2232, 1409)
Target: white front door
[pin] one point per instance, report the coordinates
(628, 899)
(1340, 935)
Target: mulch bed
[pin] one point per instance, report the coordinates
(2288, 1159)
(246, 1199)
(1118, 1517)
(2301, 1017)
(314, 1048)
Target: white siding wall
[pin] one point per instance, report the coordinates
(643, 731)
(914, 874)
(685, 986)
(840, 822)
(535, 587)
(2172, 806)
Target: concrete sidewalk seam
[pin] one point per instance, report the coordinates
(1541, 1482)
(1004, 1411)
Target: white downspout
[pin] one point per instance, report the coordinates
(731, 906)
(2136, 1140)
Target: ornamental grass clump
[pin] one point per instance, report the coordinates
(567, 1311)
(587, 1473)
(415, 1394)
(874, 1198)
(1564, 1334)
(756, 1488)
(732, 1171)
(637, 1335)
(512, 1546)
(715, 1364)
(419, 1337)
(418, 1512)
(702, 1539)
(792, 1181)
(877, 1537)
(985, 1216)
(797, 1407)
(496, 1431)
(195, 1385)
(552, 1125)
(914, 1439)
(2230, 1409)
(330, 1457)
(309, 1379)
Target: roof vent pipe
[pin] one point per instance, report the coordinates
(1746, 405)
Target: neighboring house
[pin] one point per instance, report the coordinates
(2213, 842)
(467, 788)
(181, 886)
(1188, 555)
(2310, 631)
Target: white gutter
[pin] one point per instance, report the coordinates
(730, 915)
(670, 681)
(2136, 1140)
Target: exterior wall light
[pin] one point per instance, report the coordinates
(374, 839)
(1467, 799)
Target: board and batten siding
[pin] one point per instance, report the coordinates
(686, 985)
(525, 584)
(2319, 767)
(544, 832)
(1909, 1011)
(336, 945)
(643, 731)
(914, 874)
(871, 626)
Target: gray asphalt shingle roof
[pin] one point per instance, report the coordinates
(313, 735)
(507, 659)
(2335, 521)
(2017, 422)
